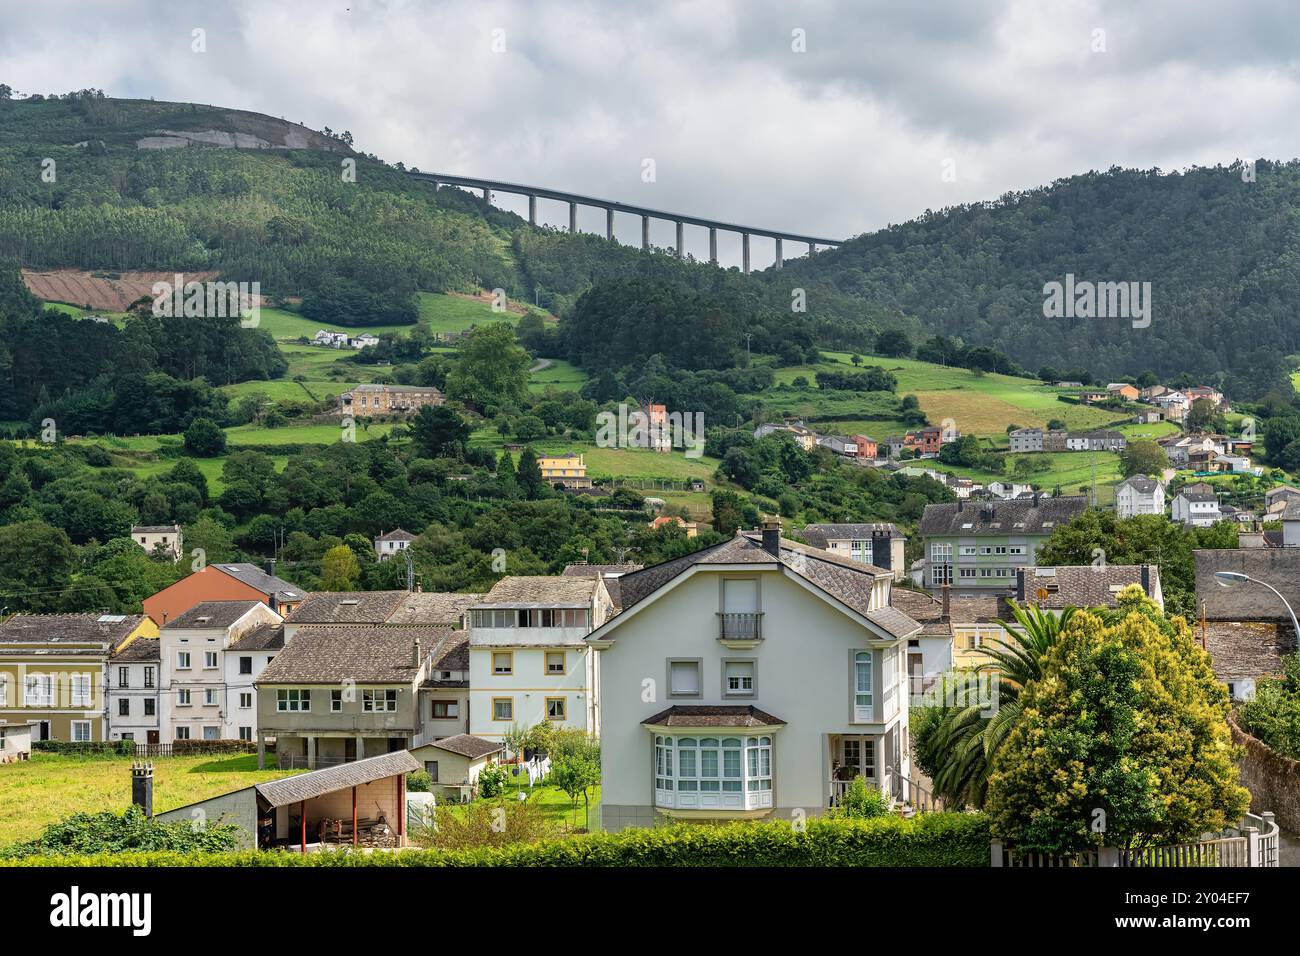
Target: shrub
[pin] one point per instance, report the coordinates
(929, 839)
(484, 823)
(492, 780)
(131, 831)
(419, 781)
(862, 802)
(1273, 715)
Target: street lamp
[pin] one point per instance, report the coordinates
(1228, 579)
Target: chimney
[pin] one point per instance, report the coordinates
(415, 652)
(882, 552)
(1146, 579)
(1020, 585)
(947, 602)
(1036, 497)
(772, 536)
(142, 787)
(961, 505)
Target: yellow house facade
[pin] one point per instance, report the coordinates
(569, 470)
(52, 670)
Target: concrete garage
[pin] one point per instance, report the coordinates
(360, 804)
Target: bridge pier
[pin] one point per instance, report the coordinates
(778, 252)
(532, 210)
(680, 230)
(713, 245)
(812, 249)
(487, 195)
(645, 233)
(744, 252)
(609, 222)
(573, 217)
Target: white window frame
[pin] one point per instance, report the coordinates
(183, 661)
(293, 700)
(725, 771)
(84, 727)
(864, 701)
(81, 690)
(379, 701)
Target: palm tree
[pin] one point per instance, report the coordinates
(966, 738)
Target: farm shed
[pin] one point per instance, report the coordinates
(362, 803)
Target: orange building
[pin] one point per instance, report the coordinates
(223, 582)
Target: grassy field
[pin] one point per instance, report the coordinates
(1069, 470)
(49, 787)
(979, 404)
(559, 374)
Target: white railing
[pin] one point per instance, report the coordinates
(1253, 842)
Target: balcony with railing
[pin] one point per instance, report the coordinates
(740, 629)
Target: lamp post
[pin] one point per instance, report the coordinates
(1228, 579)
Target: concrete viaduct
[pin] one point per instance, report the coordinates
(489, 186)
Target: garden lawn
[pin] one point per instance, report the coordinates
(555, 803)
(50, 787)
(558, 374)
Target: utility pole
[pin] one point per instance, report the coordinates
(410, 570)
(748, 336)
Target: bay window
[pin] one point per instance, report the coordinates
(723, 772)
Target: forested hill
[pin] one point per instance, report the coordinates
(1222, 256)
(1219, 252)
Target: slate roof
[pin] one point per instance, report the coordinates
(320, 654)
(545, 591)
(1248, 649)
(105, 629)
(1140, 483)
(268, 584)
(467, 745)
(819, 535)
(430, 608)
(142, 649)
(1010, 517)
(214, 614)
(592, 570)
(924, 609)
(264, 637)
(848, 581)
(397, 534)
(155, 529)
(317, 783)
(1279, 567)
(693, 715)
(1085, 585)
(347, 607)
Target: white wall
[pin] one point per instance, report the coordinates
(528, 686)
(803, 677)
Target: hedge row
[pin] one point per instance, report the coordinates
(112, 748)
(937, 839)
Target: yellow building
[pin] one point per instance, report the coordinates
(568, 470)
(52, 669)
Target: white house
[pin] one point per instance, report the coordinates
(528, 661)
(333, 340)
(1198, 508)
(1291, 524)
(166, 538)
(752, 679)
(197, 700)
(1139, 495)
(243, 661)
(364, 339)
(131, 690)
(390, 544)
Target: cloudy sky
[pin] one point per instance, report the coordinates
(831, 118)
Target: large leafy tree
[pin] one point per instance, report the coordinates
(492, 370)
(960, 736)
(1125, 718)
